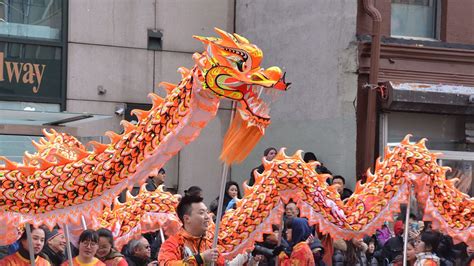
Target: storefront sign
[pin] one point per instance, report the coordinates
(22, 73)
(30, 73)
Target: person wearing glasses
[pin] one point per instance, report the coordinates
(88, 246)
(139, 252)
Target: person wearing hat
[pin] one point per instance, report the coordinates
(394, 246)
(55, 246)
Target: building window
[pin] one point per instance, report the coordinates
(39, 19)
(33, 51)
(414, 18)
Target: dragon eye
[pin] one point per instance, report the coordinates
(240, 65)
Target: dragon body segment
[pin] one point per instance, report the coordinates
(148, 211)
(374, 202)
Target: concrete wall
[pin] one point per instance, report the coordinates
(108, 48)
(314, 41)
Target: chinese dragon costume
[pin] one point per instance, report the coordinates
(74, 184)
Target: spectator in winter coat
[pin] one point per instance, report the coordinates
(394, 246)
(320, 169)
(139, 253)
(470, 259)
(232, 194)
(339, 255)
(372, 249)
(425, 249)
(107, 252)
(265, 248)
(156, 179)
(55, 246)
(383, 235)
(341, 189)
(349, 253)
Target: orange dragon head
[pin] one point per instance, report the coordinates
(231, 69)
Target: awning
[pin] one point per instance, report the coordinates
(34, 118)
(429, 98)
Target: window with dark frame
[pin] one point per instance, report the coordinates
(415, 18)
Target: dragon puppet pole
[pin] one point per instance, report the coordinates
(68, 245)
(405, 233)
(83, 221)
(280, 235)
(220, 206)
(30, 244)
(162, 236)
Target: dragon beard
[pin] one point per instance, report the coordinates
(240, 139)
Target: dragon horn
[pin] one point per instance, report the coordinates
(281, 154)
(247, 188)
(227, 38)
(421, 143)
(27, 170)
(205, 40)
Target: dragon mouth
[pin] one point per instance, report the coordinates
(259, 96)
(257, 100)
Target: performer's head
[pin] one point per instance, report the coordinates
(37, 237)
(193, 214)
(88, 245)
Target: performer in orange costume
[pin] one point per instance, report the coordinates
(22, 256)
(192, 244)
